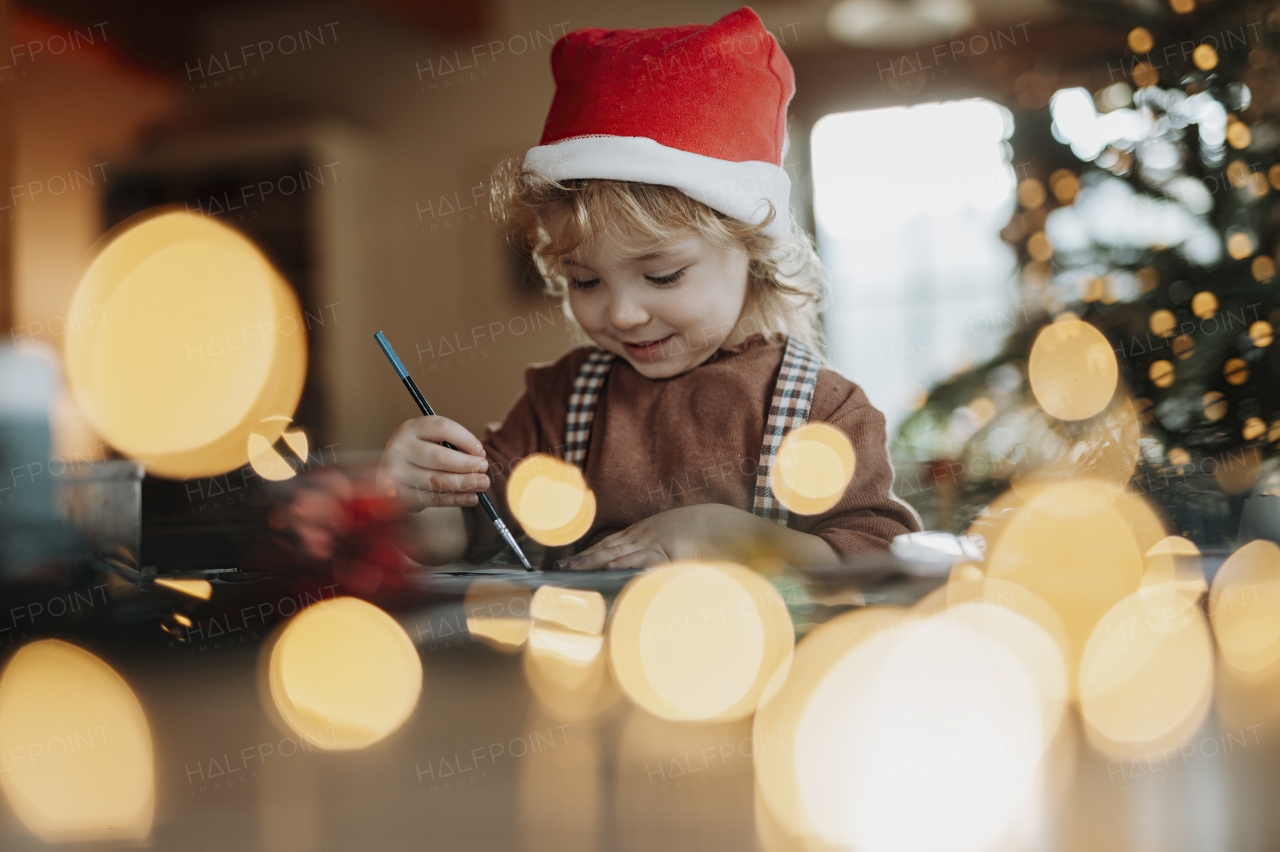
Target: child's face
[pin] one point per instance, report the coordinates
(665, 311)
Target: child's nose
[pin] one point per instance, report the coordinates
(627, 312)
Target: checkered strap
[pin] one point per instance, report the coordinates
(582, 405)
(792, 399)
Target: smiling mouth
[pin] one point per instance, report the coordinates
(647, 350)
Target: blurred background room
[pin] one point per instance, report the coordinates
(1050, 229)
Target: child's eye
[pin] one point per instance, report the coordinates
(583, 285)
(666, 279)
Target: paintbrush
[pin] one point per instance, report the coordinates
(426, 409)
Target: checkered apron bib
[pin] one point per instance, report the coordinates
(789, 408)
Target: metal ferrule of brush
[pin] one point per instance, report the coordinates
(511, 542)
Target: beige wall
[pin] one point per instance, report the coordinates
(73, 119)
(76, 115)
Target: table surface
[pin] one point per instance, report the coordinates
(625, 780)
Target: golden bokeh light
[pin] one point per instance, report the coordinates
(1024, 624)
(1110, 289)
(1263, 268)
(1031, 193)
(1065, 185)
(1183, 346)
(1092, 288)
(343, 674)
(1140, 40)
(1257, 185)
(1273, 176)
(1146, 675)
(583, 611)
(201, 589)
(76, 761)
(1039, 247)
(940, 717)
(1072, 370)
(699, 641)
(201, 339)
(1239, 245)
(263, 457)
(1204, 304)
(1161, 373)
(1105, 447)
(1254, 428)
(1238, 173)
(1078, 544)
(1215, 405)
(1163, 323)
(775, 723)
(1236, 371)
(1179, 457)
(551, 500)
(812, 469)
(497, 613)
(984, 410)
(1244, 607)
(1174, 545)
(1036, 275)
(1182, 7)
(1172, 564)
(1205, 58)
(564, 660)
(569, 646)
(1239, 135)
(568, 672)
(1261, 334)
(1145, 75)
(1148, 279)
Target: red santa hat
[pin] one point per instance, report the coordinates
(702, 108)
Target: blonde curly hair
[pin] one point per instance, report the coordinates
(786, 286)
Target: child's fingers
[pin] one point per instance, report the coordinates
(429, 456)
(445, 483)
(384, 482)
(636, 559)
(436, 429)
(594, 558)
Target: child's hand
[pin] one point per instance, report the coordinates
(689, 532)
(421, 472)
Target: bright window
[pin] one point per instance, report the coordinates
(909, 203)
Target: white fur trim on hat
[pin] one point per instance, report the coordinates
(741, 190)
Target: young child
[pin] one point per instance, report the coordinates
(657, 207)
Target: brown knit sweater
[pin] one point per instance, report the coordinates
(693, 438)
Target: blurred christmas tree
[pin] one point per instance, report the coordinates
(1152, 217)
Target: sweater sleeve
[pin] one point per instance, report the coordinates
(869, 516)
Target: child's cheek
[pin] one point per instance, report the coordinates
(588, 312)
(711, 316)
